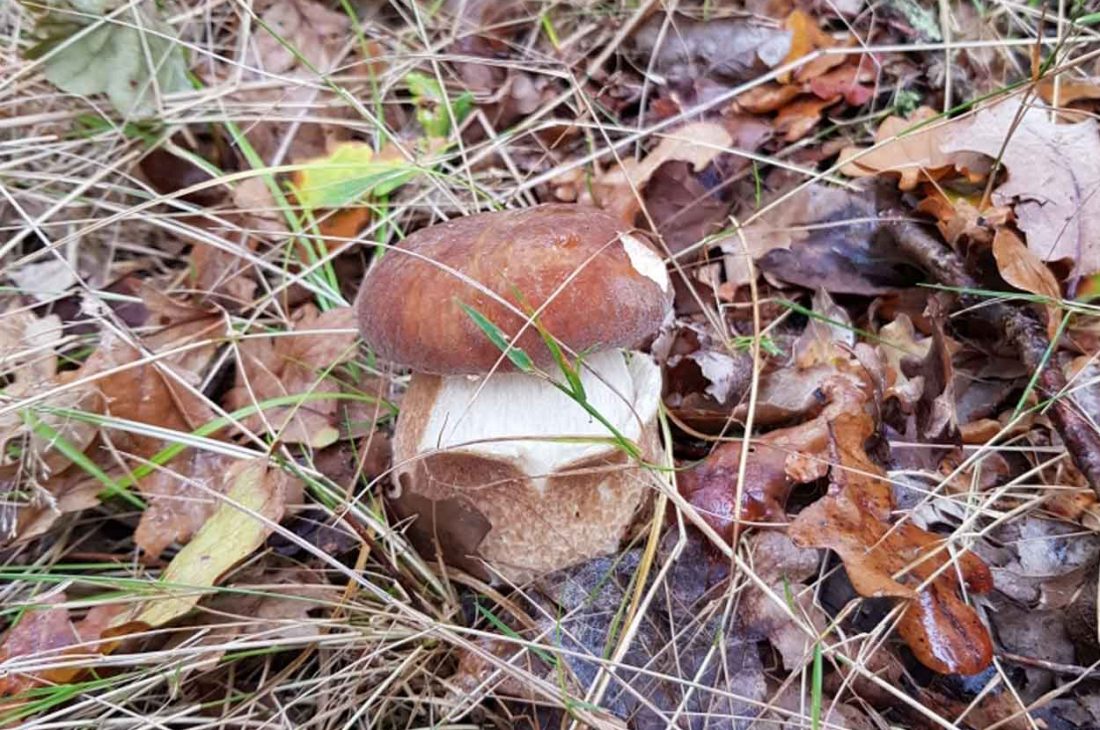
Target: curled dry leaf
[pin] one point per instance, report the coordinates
(619, 190)
(1021, 268)
(297, 363)
(1053, 177)
(911, 148)
(943, 631)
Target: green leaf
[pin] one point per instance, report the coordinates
(349, 174)
(132, 56)
(230, 535)
(496, 335)
(432, 103)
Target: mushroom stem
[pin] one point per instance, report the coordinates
(509, 469)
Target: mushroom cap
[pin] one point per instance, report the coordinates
(593, 282)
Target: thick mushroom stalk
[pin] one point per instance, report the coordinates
(511, 470)
(497, 471)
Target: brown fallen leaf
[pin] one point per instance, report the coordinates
(46, 633)
(1070, 90)
(806, 37)
(797, 119)
(944, 632)
(768, 98)
(822, 237)
(1053, 178)
(181, 497)
(1021, 268)
(296, 364)
(911, 148)
(618, 190)
(846, 81)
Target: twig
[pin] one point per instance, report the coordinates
(1022, 327)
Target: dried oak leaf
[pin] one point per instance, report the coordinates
(296, 363)
(943, 631)
(619, 190)
(1053, 177)
(911, 148)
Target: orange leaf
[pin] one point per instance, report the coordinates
(799, 118)
(1021, 268)
(806, 37)
(767, 98)
(899, 148)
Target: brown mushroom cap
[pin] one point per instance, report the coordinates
(614, 291)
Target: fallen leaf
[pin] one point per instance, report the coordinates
(806, 37)
(822, 237)
(181, 497)
(912, 148)
(1070, 90)
(296, 363)
(1021, 268)
(134, 57)
(846, 81)
(256, 497)
(944, 632)
(45, 632)
(797, 119)
(768, 98)
(349, 173)
(729, 49)
(1053, 178)
(619, 190)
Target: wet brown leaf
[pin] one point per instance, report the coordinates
(853, 520)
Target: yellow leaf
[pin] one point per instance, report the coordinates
(256, 500)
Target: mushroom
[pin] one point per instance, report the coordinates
(499, 471)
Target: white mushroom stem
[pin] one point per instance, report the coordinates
(512, 472)
(526, 420)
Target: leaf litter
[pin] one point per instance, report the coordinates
(916, 496)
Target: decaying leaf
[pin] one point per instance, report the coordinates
(822, 237)
(728, 49)
(882, 559)
(298, 363)
(45, 633)
(108, 46)
(1053, 177)
(256, 497)
(619, 190)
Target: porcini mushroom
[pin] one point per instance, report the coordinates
(499, 471)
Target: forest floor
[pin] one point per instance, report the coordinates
(875, 504)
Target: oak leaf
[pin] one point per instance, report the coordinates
(1053, 177)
